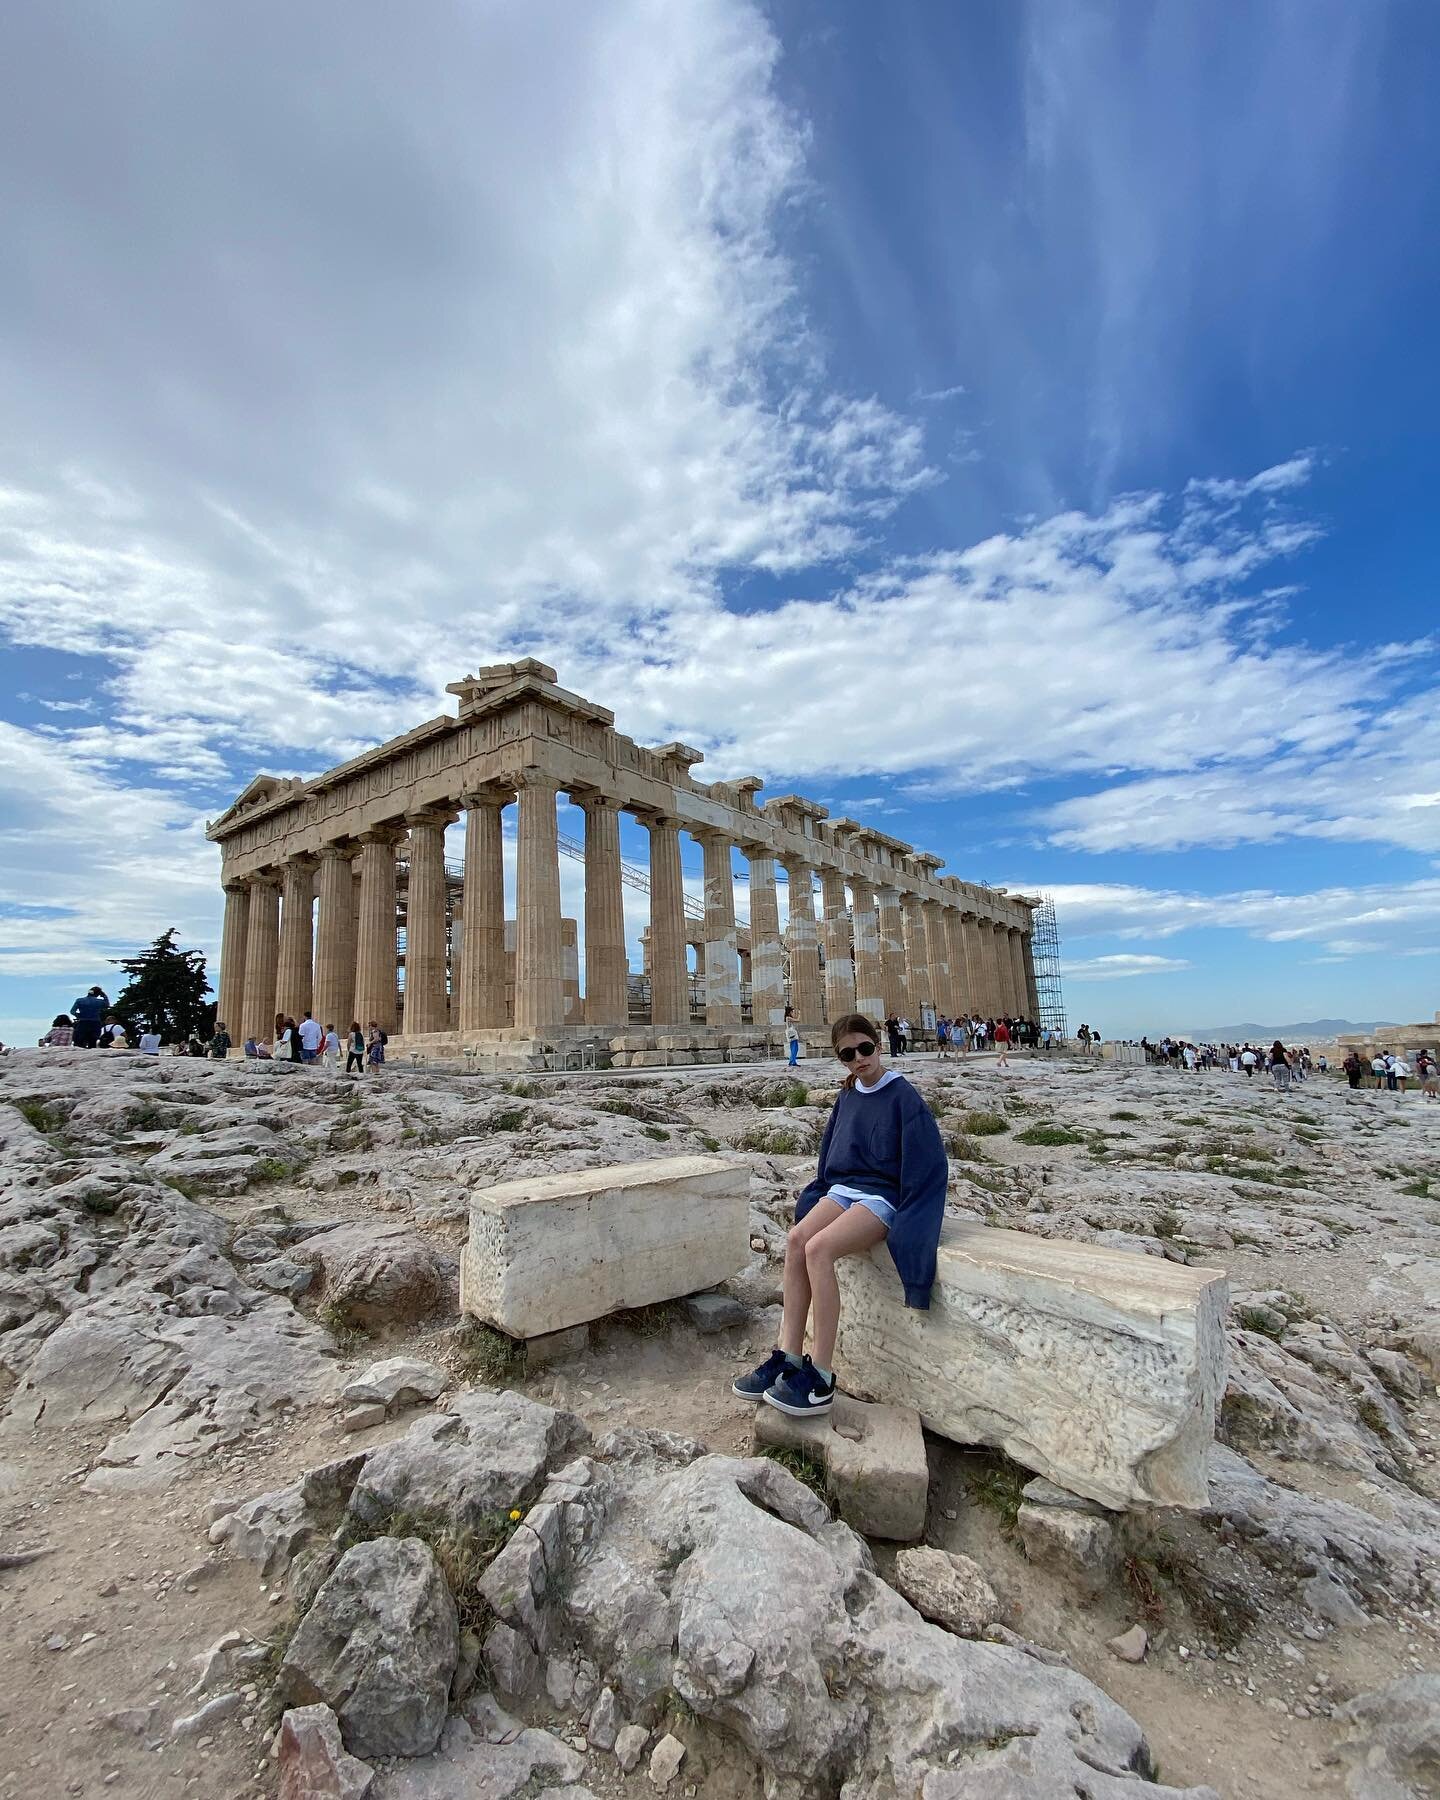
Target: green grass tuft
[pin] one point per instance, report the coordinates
(984, 1124)
(485, 1355)
(802, 1465)
(1049, 1136)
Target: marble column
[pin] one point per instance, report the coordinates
(375, 954)
(892, 951)
(767, 957)
(539, 983)
(805, 1000)
(262, 958)
(974, 963)
(669, 972)
(937, 953)
(231, 1007)
(607, 994)
(839, 963)
(722, 960)
(1017, 972)
(959, 986)
(335, 938)
(427, 1006)
(869, 963)
(917, 967)
(994, 987)
(295, 970)
(1010, 999)
(1032, 986)
(482, 927)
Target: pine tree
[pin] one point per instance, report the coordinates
(165, 992)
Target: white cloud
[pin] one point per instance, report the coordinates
(1120, 968)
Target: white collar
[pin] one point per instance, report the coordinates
(875, 1087)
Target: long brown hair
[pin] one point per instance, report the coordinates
(852, 1025)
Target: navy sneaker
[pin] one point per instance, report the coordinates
(802, 1392)
(758, 1382)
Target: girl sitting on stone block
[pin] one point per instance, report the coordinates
(882, 1177)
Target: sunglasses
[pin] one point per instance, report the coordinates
(851, 1051)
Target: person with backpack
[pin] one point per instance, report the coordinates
(220, 1043)
(375, 1047)
(1354, 1069)
(882, 1179)
(355, 1049)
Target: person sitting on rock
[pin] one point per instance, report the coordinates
(882, 1179)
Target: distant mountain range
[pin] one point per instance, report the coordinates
(1301, 1033)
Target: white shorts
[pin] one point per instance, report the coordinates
(845, 1198)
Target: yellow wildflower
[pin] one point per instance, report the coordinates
(515, 1512)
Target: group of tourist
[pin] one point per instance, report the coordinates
(1392, 1071)
(971, 1032)
(89, 1025)
(311, 1042)
(1241, 1059)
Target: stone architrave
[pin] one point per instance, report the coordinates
(1017, 970)
(295, 968)
(669, 975)
(892, 950)
(231, 1007)
(805, 991)
(607, 1000)
(839, 961)
(722, 961)
(869, 965)
(375, 954)
(551, 1251)
(427, 1006)
(1099, 1369)
(262, 958)
(767, 956)
(937, 953)
(917, 968)
(539, 989)
(482, 931)
(335, 938)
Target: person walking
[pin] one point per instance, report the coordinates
(1354, 1069)
(88, 1012)
(375, 1042)
(792, 1038)
(905, 1035)
(1399, 1073)
(1002, 1044)
(355, 1049)
(1279, 1067)
(330, 1049)
(882, 1178)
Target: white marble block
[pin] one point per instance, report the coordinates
(1096, 1368)
(552, 1251)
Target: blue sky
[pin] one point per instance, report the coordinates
(1009, 423)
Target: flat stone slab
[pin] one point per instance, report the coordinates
(1098, 1370)
(552, 1251)
(874, 1457)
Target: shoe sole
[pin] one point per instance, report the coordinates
(799, 1412)
(741, 1394)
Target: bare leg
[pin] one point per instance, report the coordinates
(797, 1282)
(855, 1232)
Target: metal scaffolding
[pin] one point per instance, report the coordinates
(1045, 946)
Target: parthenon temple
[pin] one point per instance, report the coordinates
(338, 899)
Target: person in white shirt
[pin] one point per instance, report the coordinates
(311, 1038)
(905, 1037)
(332, 1049)
(149, 1043)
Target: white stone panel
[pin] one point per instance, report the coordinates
(1098, 1369)
(558, 1250)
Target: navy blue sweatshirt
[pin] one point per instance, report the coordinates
(886, 1142)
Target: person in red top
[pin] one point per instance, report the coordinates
(1002, 1044)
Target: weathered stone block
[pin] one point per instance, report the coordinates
(559, 1250)
(1098, 1370)
(874, 1457)
(555, 1346)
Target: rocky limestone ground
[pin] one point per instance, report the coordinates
(481, 1577)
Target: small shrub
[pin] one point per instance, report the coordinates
(709, 1143)
(272, 1168)
(1417, 1190)
(1049, 1136)
(485, 1355)
(1166, 1223)
(999, 1485)
(509, 1118)
(984, 1124)
(524, 1090)
(774, 1140)
(802, 1465)
(38, 1114)
(347, 1336)
(797, 1094)
(464, 1553)
(963, 1148)
(658, 1132)
(649, 1321)
(1124, 1115)
(189, 1129)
